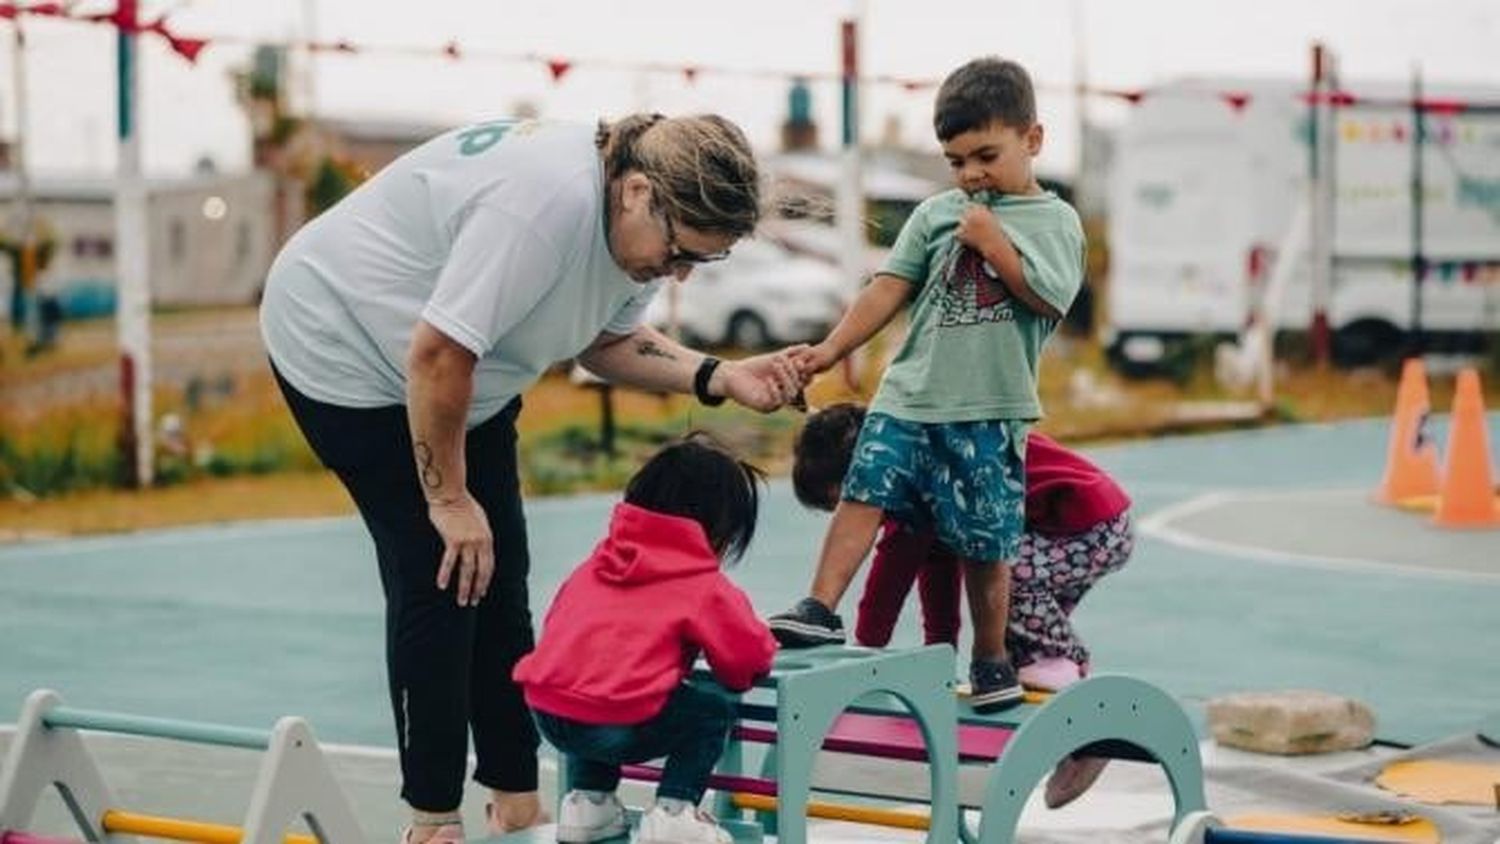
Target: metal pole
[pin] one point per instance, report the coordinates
(1321, 186)
(133, 312)
(310, 74)
(1418, 258)
(26, 245)
(850, 194)
(1085, 197)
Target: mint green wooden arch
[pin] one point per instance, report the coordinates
(1101, 708)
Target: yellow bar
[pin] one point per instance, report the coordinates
(178, 829)
(840, 812)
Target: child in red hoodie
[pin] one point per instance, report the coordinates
(606, 681)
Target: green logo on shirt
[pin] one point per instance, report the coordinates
(477, 139)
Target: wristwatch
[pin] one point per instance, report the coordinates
(700, 382)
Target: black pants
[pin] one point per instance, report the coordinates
(448, 666)
(690, 731)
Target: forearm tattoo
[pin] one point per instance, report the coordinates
(649, 349)
(432, 476)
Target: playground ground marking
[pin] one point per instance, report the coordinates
(1159, 525)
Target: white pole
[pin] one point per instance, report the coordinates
(310, 73)
(132, 235)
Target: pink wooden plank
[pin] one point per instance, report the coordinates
(894, 737)
(18, 837)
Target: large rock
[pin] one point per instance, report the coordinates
(1290, 722)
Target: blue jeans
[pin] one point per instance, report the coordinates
(690, 732)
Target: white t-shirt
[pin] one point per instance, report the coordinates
(494, 234)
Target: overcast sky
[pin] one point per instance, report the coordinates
(189, 110)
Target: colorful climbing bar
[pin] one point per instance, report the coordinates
(1224, 835)
(32, 838)
(180, 829)
(841, 812)
(167, 728)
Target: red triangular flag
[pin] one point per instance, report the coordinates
(1237, 100)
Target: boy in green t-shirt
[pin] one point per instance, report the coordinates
(989, 268)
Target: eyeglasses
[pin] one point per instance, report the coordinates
(676, 255)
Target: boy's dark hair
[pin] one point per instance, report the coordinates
(822, 452)
(984, 91)
(699, 479)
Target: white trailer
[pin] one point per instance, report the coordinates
(1210, 177)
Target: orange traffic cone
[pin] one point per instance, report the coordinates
(1411, 464)
(1467, 499)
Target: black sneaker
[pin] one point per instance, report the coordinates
(994, 685)
(807, 625)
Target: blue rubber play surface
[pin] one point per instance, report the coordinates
(1260, 566)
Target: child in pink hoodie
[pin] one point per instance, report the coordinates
(606, 681)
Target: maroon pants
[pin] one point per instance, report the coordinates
(1049, 577)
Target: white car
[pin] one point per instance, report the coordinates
(761, 295)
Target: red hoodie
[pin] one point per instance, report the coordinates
(628, 623)
(1065, 493)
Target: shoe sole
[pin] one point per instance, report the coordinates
(585, 835)
(998, 700)
(807, 634)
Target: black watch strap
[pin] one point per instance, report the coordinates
(701, 378)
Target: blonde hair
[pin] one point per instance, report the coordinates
(701, 168)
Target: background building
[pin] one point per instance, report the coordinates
(210, 237)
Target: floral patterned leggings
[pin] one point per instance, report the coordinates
(1050, 576)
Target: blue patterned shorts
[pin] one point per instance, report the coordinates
(966, 479)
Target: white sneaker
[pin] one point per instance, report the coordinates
(690, 826)
(582, 821)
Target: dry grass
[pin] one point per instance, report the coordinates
(252, 423)
(283, 495)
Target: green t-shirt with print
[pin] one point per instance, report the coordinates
(972, 349)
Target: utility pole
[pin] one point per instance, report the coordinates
(25, 221)
(1085, 195)
(310, 73)
(849, 204)
(1321, 187)
(133, 312)
(1418, 250)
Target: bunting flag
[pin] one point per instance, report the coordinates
(1237, 100)
(188, 48)
(558, 67)
(11, 11)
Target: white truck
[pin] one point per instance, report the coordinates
(1210, 187)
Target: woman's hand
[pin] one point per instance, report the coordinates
(468, 547)
(763, 382)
